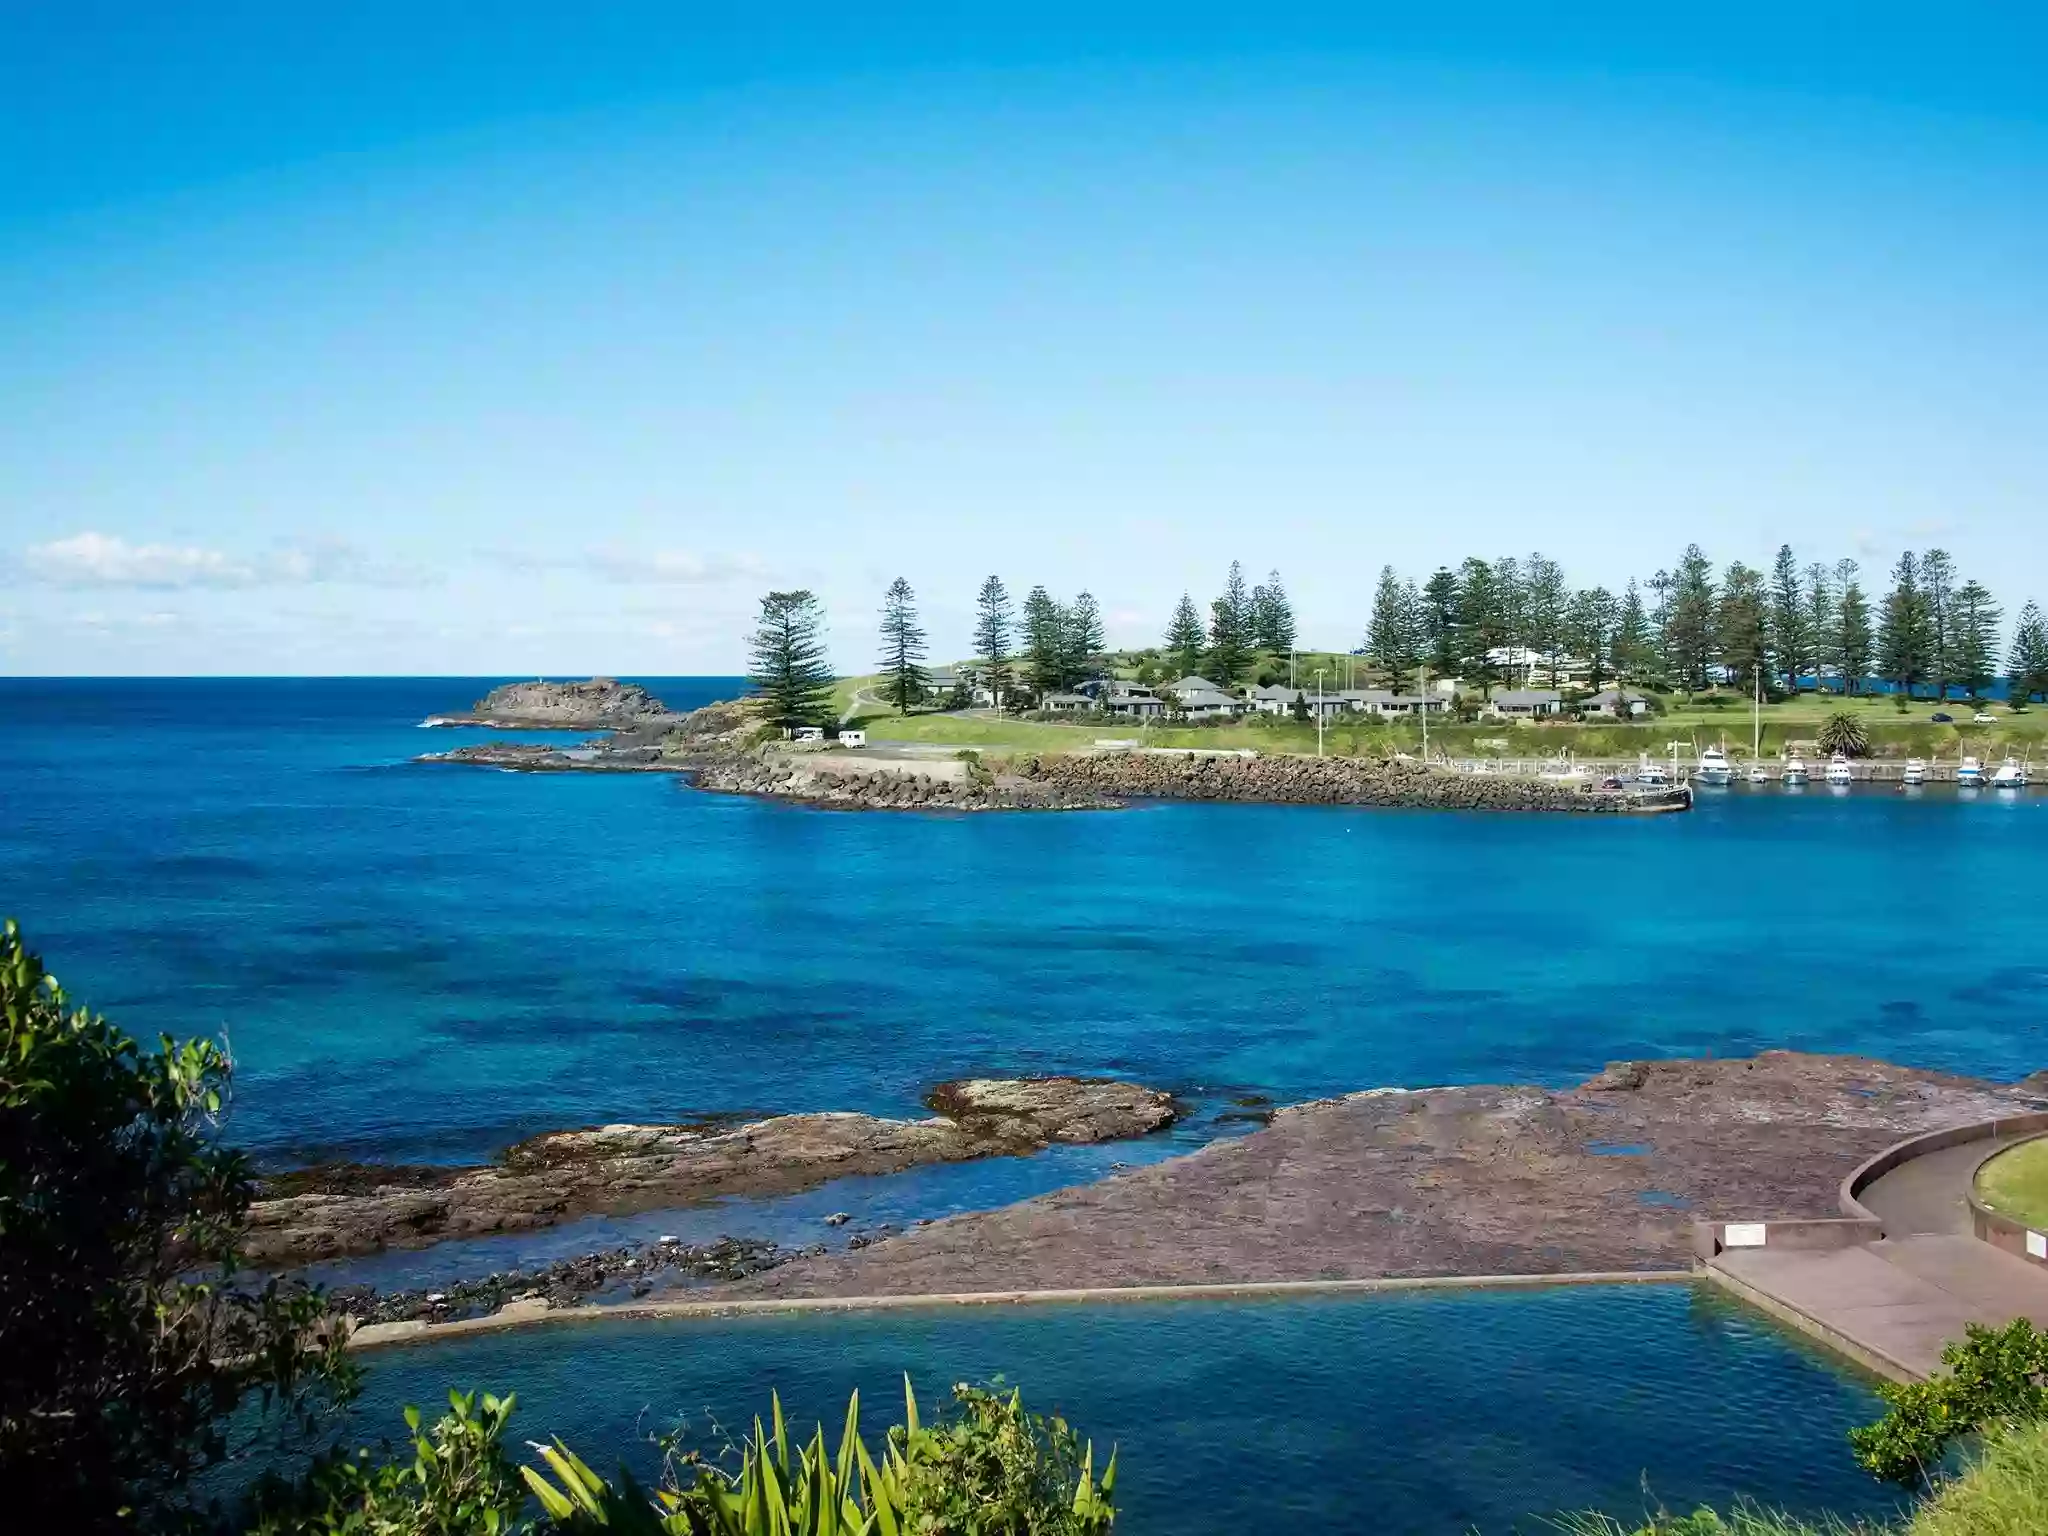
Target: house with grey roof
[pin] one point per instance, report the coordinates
(1201, 699)
(1526, 703)
(1615, 703)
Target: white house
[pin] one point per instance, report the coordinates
(1526, 703)
(1612, 703)
(1201, 699)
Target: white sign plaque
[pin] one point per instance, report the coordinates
(1743, 1234)
(2037, 1246)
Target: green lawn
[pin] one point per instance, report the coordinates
(1705, 719)
(2015, 1183)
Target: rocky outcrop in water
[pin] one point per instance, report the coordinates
(1324, 781)
(323, 1213)
(1480, 1180)
(597, 704)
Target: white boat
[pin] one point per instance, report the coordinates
(1795, 771)
(1714, 767)
(1915, 772)
(2012, 774)
(1970, 774)
(1654, 774)
(1838, 770)
(1757, 774)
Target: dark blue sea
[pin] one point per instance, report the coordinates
(418, 961)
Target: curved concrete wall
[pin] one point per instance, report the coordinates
(2012, 1127)
(1999, 1229)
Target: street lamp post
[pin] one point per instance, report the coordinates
(1319, 711)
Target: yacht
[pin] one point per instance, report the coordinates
(1714, 767)
(1838, 771)
(1970, 774)
(1915, 772)
(2012, 774)
(1795, 772)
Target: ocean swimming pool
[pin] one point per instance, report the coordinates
(1431, 1412)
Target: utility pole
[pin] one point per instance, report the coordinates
(1319, 711)
(1422, 696)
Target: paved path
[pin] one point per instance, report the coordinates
(1895, 1303)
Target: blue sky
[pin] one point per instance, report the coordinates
(380, 338)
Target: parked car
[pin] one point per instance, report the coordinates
(1943, 719)
(1985, 717)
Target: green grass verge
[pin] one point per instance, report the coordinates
(2015, 1184)
(2002, 1492)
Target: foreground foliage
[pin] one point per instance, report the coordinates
(128, 1344)
(1995, 1376)
(2003, 1492)
(989, 1469)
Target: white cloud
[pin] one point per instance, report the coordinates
(627, 567)
(93, 559)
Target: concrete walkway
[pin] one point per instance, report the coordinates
(1895, 1303)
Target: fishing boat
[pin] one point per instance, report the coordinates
(1795, 772)
(1914, 773)
(1654, 774)
(1970, 774)
(1838, 771)
(2011, 774)
(1757, 774)
(1714, 767)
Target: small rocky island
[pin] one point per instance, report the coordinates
(596, 704)
(340, 1209)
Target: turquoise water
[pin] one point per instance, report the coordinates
(1421, 1414)
(428, 962)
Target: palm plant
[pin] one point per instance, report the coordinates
(1842, 732)
(1018, 1474)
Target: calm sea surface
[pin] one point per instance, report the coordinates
(1422, 1414)
(420, 961)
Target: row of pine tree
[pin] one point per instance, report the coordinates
(1482, 621)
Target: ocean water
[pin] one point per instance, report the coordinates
(427, 962)
(1425, 1414)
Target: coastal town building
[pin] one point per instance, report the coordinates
(1525, 703)
(1200, 699)
(1614, 703)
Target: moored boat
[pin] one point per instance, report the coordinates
(1970, 773)
(1795, 771)
(1714, 767)
(1653, 774)
(1915, 772)
(1838, 771)
(2011, 774)
(1757, 774)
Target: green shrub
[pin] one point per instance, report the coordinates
(1994, 1376)
(132, 1356)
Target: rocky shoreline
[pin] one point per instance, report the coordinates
(347, 1209)
(626, 1274)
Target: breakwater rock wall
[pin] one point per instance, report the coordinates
(1326, 781)
(337, 1210)
(888, 786)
